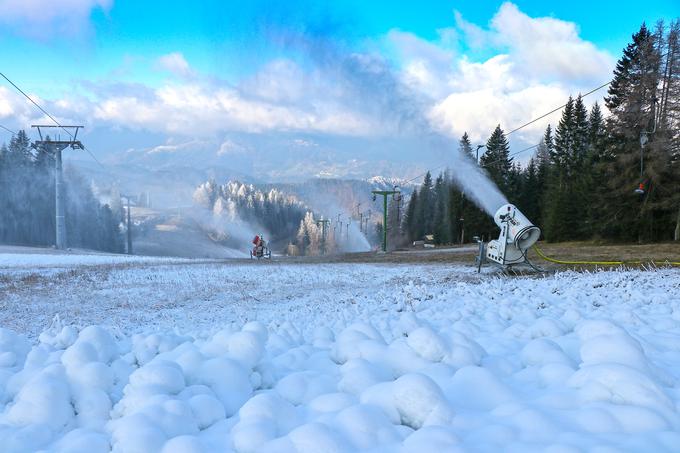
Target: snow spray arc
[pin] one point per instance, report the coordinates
(378, 91)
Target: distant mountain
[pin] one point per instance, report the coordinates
(384, 183)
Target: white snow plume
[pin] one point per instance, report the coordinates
(476, 184)
(357, 240)
(217, 212)
(376, 88)
(351, 239)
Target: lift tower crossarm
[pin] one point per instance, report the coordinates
(385, 194)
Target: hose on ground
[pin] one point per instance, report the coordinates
(540, 253)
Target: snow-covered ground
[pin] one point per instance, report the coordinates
(274, 357)
(34, 259)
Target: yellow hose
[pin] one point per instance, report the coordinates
(603, 263)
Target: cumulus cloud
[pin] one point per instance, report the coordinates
(46, 18)
(539, 63)
(549, 47)
(424, 62)
(535, 64)
(475, 36)
(17, 113)
(175, 63)
(204, 109)
(478, 112)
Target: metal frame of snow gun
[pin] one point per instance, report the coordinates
(266, 254)
(517, 235)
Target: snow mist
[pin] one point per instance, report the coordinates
(473, 181)
(376, 89)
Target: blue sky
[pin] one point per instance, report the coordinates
(220, 78)
(229, 39)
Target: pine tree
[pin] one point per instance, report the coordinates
(581, 135)
(562, 219)
(442, 219)
(496, 160)
(594, 178)
(632, 100)
(465, 147)
(563, 149)
(579, 192)
(411, 218)
(529, 194)
(27, 201)
(424, 208)
(543, 158)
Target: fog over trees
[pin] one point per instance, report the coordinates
(27, 202)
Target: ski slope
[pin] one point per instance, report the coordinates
(274, 357)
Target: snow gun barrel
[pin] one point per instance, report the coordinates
(518, 234)
(520, 231)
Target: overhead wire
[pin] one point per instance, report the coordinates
(50, 117)
(519, 128)
(531, 147)
(564, 105)
(555, 110)
(8, 130)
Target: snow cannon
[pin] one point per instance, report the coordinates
(518, 234)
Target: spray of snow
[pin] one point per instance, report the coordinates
(378, 90)
(477, 185)
(351, 239)
(357, 241)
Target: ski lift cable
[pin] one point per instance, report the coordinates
(8, 130)
(49, 116)
(521, 127)
(564, 105)
(533, 146)
(556, 109)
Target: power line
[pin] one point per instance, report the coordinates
(564, 105)
(534, 146)
(556, 109)
(49, 116)
(423, 174)
(521, 127)
(8, 130)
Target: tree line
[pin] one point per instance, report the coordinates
(241, 210)
(27, 202)
(613, 177)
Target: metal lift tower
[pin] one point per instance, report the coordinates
(56, 147)
(385, 194)
(324, 224)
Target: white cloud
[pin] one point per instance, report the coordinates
(205, 110)
(539, 62)
(478, 112)
(549, 47)
(17, 113)
(475, 37)
(423, 62)
(175, 63)
(535, 64)
(45, 18)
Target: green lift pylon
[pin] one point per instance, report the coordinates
(384, 194)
